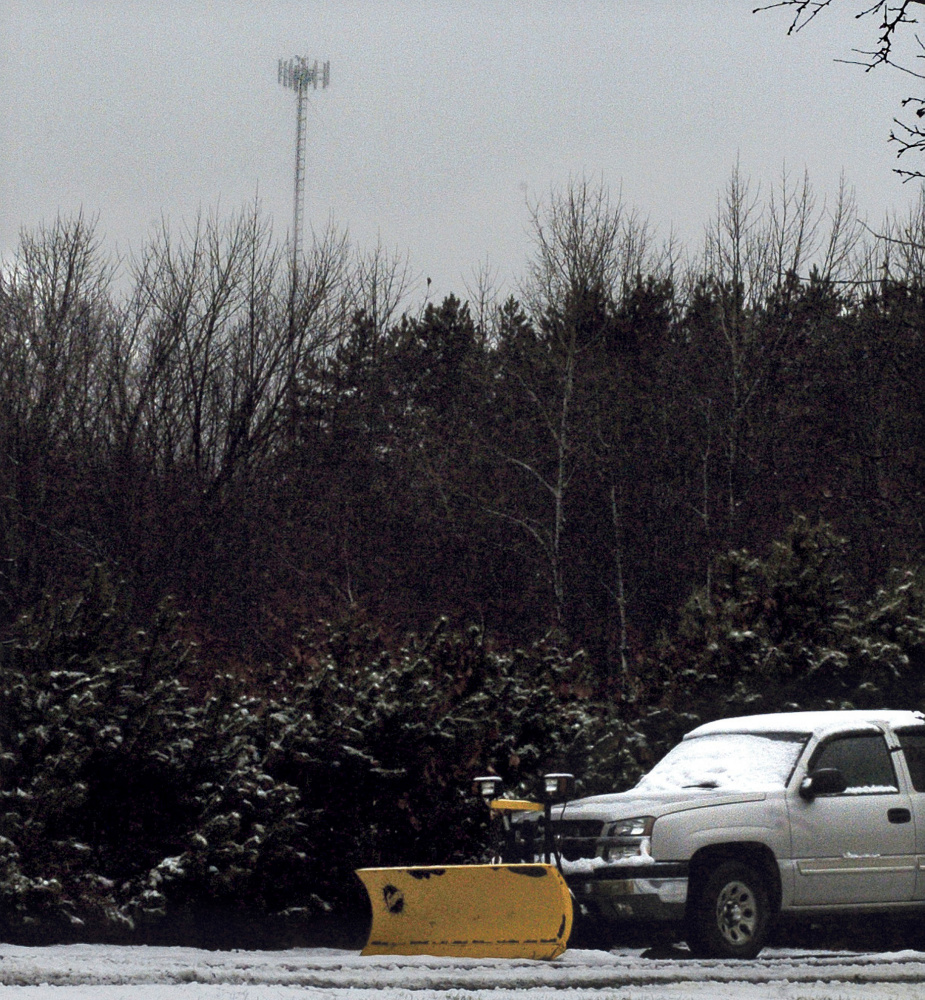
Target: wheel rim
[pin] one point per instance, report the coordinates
(737, 914)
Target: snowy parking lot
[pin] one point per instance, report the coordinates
(81, 972)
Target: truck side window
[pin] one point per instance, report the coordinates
(864, 760)
(913, 743)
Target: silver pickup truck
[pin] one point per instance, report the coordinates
(747, 818)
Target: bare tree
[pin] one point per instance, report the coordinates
(219, 341)
(759, 251)
(484, 299)
(578, 237)
(377, 284)
(588, 251)
(55, 317)
(58, 303)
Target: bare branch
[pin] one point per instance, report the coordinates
(892, 17)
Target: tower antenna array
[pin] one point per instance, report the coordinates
(299, 74)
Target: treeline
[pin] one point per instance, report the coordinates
(274, 448)
(235, 500)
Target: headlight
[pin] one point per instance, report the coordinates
(629, 838)
(640, 826)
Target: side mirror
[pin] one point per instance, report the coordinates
(825, 781)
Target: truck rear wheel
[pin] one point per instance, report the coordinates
(729, 915)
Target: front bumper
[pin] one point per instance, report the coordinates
(653, 892)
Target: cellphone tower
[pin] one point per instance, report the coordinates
(299, 74)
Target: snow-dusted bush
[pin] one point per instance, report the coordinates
(96, 735)
(781, 633)
(128, 805)
(384, 743)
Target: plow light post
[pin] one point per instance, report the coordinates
(556, 788)
(488, 787)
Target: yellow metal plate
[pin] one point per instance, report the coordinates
(471, 911)
(515, 805)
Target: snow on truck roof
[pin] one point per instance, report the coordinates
(810, 723)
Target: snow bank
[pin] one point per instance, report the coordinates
(81, 972)
(670, 991)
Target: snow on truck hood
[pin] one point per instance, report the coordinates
(712, 769)
(623, 805)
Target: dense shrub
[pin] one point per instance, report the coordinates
(128, 806)
(387, 742)
(97, 760)
(780, 633)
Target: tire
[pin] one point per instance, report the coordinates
(730, 913)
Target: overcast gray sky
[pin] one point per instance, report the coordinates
(442, 120)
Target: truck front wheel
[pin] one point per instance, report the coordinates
(729, 915)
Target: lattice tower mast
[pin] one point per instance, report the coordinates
(298, 74)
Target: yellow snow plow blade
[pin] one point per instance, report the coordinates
(469, 911)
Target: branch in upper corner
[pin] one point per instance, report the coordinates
(806, 10)
(893, 16)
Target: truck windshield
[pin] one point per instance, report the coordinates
(735, 761)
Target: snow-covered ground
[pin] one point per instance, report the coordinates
(82, 972)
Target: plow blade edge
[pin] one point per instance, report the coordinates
(468, 911)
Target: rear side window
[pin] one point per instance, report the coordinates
(864, 760)
(913, 743)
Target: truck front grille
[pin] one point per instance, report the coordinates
(577, 838)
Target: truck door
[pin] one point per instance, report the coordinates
(857, 846)
(912, 741)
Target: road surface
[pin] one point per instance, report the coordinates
(82, 972)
